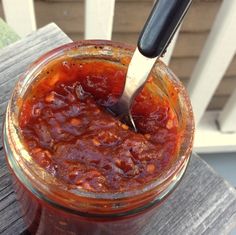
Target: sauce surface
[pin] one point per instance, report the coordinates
(68, 131)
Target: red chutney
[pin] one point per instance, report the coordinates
(68, 131)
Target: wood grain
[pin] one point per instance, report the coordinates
(129, 15)
(203, 203)
(128, 20)
(27, 51)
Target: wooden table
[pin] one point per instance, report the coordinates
(203, 203)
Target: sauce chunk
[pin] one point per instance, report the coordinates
(69, 132)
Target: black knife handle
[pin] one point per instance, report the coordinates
(161, 25)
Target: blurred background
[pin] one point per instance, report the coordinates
(214, 143)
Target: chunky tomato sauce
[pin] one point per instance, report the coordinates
(68, 131)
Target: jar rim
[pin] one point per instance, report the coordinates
(56, 53)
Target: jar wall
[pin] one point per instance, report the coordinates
(47, 217)
(42, 218)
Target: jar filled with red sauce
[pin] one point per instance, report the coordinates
(77, 168)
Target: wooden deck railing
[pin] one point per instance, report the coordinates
(216, 130)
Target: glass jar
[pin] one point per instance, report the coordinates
(50, 208)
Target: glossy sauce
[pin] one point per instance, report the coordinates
(68, 131)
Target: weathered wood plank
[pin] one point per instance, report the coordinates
(187, 211)
(215, 58)
(69, 16)
(222, 94)
(27, 51)
(17, 227)
(225, 88)
(204, 207)
(129, 16)
(4, 180)
(18, 56)
(3, 166)
(183, 67)
(203, 203)
(10, 219)
(201, 16)
(217, 102)
(169, 52)
(65, 11)
(189, 44)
